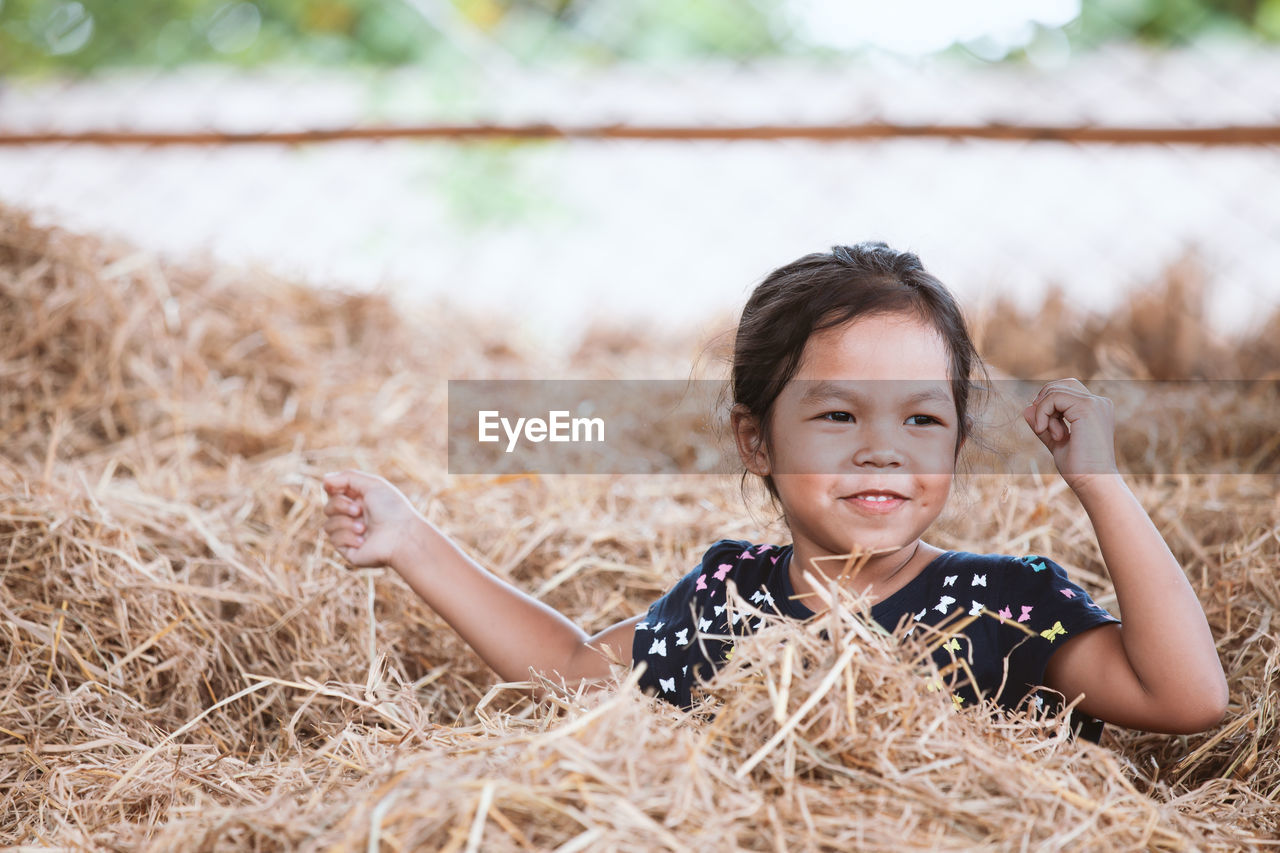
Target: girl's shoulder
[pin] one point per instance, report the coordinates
(746, 563)
(1028, 577)
(739, 550)
(980, 566)
(737, 559)
(701, 596)
(1005, 571)
(1036, 564)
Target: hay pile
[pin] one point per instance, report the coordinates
(187, 666)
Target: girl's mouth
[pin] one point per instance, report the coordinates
(875, 502)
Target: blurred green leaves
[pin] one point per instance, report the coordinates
(80, 36)
(1169, 23)
(494, 186)
(46, 35)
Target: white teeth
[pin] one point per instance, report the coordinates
(877, 498)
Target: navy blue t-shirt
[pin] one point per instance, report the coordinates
(1025, 607)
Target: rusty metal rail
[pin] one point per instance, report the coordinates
(1223, 135)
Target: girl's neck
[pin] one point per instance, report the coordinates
(881, 576)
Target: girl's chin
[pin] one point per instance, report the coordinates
(880, 545)
(878, 549)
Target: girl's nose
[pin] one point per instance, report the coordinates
(878, 457)
(877, 451)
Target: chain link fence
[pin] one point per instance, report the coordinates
(676, 230)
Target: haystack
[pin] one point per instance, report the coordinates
(188, 666)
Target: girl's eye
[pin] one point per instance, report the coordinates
(838, 417)
(928, 418)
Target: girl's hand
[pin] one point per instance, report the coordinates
(369, 520)
(1077, 427)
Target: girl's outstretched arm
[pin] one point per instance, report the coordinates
(373, 524)
(1159, 670)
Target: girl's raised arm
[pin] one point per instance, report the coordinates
(373, 524)
(1159, 670)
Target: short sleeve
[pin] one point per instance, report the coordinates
(1048, 609)
(688, 634)
(669, 639)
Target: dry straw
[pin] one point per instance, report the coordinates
(187, 666)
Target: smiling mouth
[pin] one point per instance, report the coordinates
(875, 500)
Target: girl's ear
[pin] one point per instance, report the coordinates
(749, 437)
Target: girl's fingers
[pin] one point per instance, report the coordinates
(341, 507)
(335, 482)
(343, 504)
(345, 539)
(1051, 406)
(341, 524)
(346, 514)
(1051, 416)
(351, 483)
(1060, 384)
(344, 534)
(1037, 416)
(339, 521)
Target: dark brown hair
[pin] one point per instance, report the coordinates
(823, 290)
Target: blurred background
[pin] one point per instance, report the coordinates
(559, 232)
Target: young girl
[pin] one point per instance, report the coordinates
(851, 386)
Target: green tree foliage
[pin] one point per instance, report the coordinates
(80, 36)
(1173, 23)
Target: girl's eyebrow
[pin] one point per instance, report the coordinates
(827, 389)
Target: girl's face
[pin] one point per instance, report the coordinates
(863, 438)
